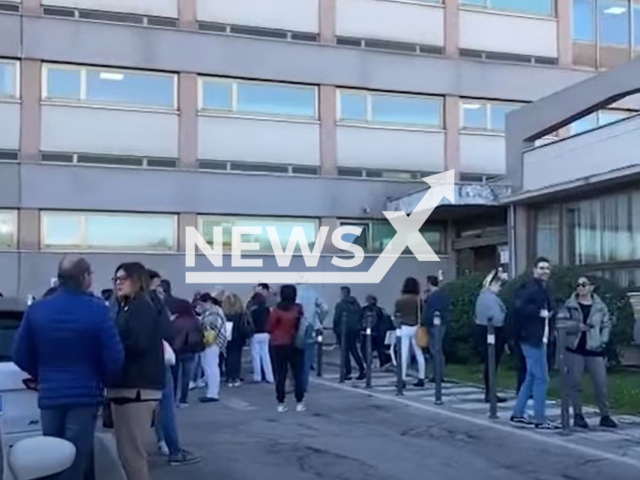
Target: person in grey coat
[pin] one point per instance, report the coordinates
(489, 308)
(586, 339)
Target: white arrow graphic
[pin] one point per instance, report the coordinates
(407, 235)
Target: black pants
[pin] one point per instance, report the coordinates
(234, 360)
(182, 373)
(377, 345)
(351, 345)
(481, 342)
(285, 356)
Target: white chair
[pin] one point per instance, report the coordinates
(40, 457)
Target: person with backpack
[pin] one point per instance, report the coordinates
(348, 310)
(214, 324)
(283, 327)
(378, 331)
(242, 330)
(187, 342)
(260, 358)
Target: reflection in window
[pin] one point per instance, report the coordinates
(548, 233)
(284, 228)
(584, 26)
(597, 119)
(544, 8)
(387, 109)
(478, 115)
(259, 98)
(363, 240)
(8, 87)
(8, 229)
(377, 234)
(613, 16)
(104, 231)
(109, 87)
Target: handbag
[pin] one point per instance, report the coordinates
(422, 334)
(107, 415)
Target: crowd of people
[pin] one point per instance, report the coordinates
(134, 354)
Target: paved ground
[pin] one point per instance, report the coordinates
(350, 433)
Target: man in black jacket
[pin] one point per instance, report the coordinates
(348, 310)
(532, 312)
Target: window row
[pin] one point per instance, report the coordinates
(545, 8)
(485, 116)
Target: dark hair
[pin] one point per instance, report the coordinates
(433, 280)
(372, 297)
(288, 295)
(106, 294)
(137, 274)
(166, 286)
(346, 290)
(71, 272)
(208, 298)
(153, 274)
(411, 286)
(181, 307)
(540, 260)
(258, 300)
(264, 286)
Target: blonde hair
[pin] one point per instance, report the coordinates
(232, 304)
(219, 293)
(494, 275)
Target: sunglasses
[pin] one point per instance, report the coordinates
(120, 279)
(583, 285)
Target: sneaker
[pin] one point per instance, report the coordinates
(282, 408)
(183, 405)
(362, 376)
(163, 449)
(608, 422)
(579, 421)
(520, 420)
(183, 457)
(209, 400)
(348, 378)
(300, 407)
(237, 383)
(548, 426)
(192, 385)
(419, 383)
(231, 384)
(201, 383)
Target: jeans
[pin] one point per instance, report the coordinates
(597, 369)
(182, 373)
(535, 383)
(351, 345)
(78, 426)
(211, 366)
(234, 360)
(408, 337)
(165, 424)
(309, 354)
(260, 358)
(285, 356)
(522, 366)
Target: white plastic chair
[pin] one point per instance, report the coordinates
(40, 457)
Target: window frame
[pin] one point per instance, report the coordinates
(83, 101)
(487, 7)
(233, 111)
(369, 122)
(489, 106)
(17, 90)
(13, 214)
(82, 234)
(207, 217)
(366, 225)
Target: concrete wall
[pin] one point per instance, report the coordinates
(109, 131)
(482, 153)
(161, 8)
(226, 138)
(609, 148)
(389, 148)
(9, 126)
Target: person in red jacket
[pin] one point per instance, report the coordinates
(283, 326)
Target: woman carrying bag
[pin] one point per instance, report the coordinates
(408, 311)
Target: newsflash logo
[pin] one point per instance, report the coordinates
(407, 235)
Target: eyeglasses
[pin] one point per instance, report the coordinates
(120, 279)
(583, 285)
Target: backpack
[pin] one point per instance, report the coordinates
(195, 341)
(305, 332)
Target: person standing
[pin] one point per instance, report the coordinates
(587, 338)
(489, 308)
(407, 310)
(378, 331)
(284, 321)
(260, 358)
(136, 393)
(316, 312)
(438, 302)
(348, 310)
(235, 312)
(214, 323)
(69, 343)
(532, 313)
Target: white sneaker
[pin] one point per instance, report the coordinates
(163, 449)
(282, 408)
(301, 407)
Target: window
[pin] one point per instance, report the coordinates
(108, 231)
(544, 8)
(284, 227)
(389, 109)
(109, 87)
(363, 240)
(478, 115)
(597, 119)
(613, 22)
(584, 27)
(270, 99)
(377, 234)
(8, 79)
(8, 229)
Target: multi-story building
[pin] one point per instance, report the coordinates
(124, 121)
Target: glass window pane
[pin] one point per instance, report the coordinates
(475, 3)
(353, 106)
(276, 100)
(548, 233)
(614, 22)
(361, 240)
(137, 232)
(498, 116)
(583, 21)
(62, 230)
(130, 88)
(533, 7)
(608, 116)
(383, 232)
(7, 79)
(584, 124)
(216, 95)
(636, 26)
(474, 115)
(405, 110)
(63, 83)
(7, 229)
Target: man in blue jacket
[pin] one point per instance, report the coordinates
(69, 344)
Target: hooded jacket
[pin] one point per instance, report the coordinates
(347, 309)
(598, 324)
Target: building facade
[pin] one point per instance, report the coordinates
(124, 121)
